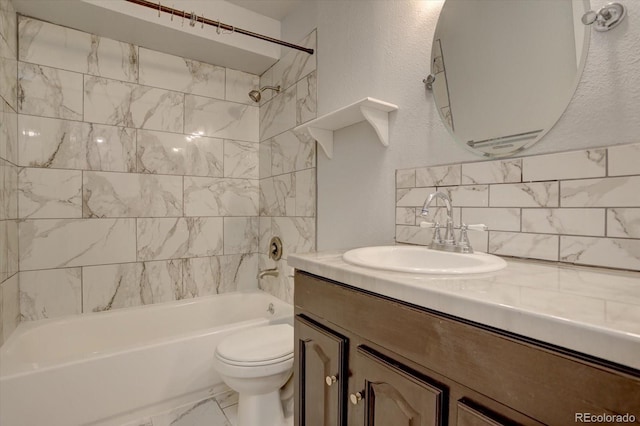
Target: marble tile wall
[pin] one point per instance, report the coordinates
(136, 174)
(287, 169)
(9, 277)
(579, 207)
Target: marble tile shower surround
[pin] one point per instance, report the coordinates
(136, 174)
(9, 277)
(579, 207)
(287, 169)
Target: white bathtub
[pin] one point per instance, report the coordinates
(102, 368)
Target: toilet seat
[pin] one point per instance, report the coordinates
(254, 363)
(258, 346)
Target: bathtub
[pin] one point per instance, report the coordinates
(106, 368)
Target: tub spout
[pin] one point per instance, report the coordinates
(273, 272)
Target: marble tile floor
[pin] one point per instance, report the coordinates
(221, 410)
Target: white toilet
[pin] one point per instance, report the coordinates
(256, 363)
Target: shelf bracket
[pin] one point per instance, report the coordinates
(374, 111)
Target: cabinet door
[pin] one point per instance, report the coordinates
(469, 414)
(321, 370)
(391, 394)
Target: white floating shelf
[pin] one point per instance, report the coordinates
(374, 111)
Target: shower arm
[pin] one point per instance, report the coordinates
(219, 25)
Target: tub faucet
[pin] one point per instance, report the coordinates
(273, 272)
(449, 237)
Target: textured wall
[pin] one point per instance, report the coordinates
(9, 305)
(382, 50)
(287, 164)
(139, 175)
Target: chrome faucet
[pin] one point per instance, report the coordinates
(448, 243)
(449, 237)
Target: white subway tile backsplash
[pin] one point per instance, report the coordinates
(45, 193)
(609, 252)
(497, 171)
(438, 176)
(468, 195)
(220, 119)
(623, 223)
(564, 221)
(59, 243)
(131, 195)
(567, 206)
(405, 216)
(181, 75)
(538, 194)
(567, 165)
(604, 192)
(497, 219)
(50, 293)
(414, 197)
(535, 246)
(49, 92)
(406, 178)
(624, 160)
(413, 235)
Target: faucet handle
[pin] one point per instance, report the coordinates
(428, 224)
(477, 227)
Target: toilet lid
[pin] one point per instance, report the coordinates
(258, 345)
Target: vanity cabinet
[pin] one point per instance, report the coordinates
(367, 360)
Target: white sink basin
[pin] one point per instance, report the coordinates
(421, 260)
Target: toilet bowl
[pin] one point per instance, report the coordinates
(256, 363)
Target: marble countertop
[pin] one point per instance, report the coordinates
(590, 310)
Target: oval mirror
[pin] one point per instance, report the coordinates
(505, 70)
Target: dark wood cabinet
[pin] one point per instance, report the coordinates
(391, 394)
(367, 360)
(320, 368)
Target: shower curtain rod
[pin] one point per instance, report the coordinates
(193, 18)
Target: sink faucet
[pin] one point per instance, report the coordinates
(449, 237)
(448, 243)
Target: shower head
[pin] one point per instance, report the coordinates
(256, 95)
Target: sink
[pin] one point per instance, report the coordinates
(421, 260)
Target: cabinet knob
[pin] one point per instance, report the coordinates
(355, 398)
(330, 380)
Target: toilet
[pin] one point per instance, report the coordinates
(256, 363)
